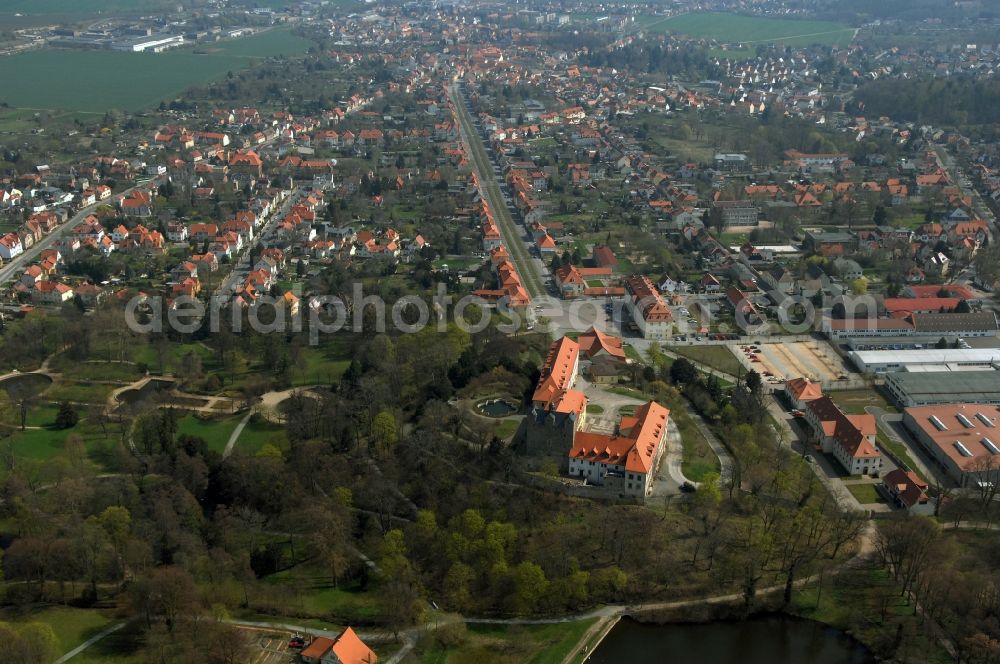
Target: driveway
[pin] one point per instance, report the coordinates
(795, 438)
(669, 476)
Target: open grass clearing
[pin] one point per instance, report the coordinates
(535, 644)
(508, 428)
(215, 432)
(901, 452)
(720, 358)
(866, 601)
(866, 494)
(312, 594)
(736, 28)
(855, 401)
(71, 626)
(120, 647)
(258, 433)
(79, 392)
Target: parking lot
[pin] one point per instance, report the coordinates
(271, 648)
(810, 359)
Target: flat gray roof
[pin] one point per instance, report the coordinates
(948, 385)
(927, 356)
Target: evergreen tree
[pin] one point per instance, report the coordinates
(67, 416)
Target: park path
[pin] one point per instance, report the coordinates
(91, 641)
(602, 614)
(235, 435)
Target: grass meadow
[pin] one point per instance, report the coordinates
(94, 81)
(750, 29)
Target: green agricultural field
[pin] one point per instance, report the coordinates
(83, 7)
(95, 81)
(732, 28)
(266, 44)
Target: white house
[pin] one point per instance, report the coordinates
(10, 246)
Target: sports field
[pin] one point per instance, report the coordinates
(96, 81)
(733, 28)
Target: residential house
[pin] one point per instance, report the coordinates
(10, 246)
(646, 307)
(907, 491)
(346, 648)
(51, 292)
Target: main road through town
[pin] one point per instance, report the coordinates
(12, 268)
(512, 237)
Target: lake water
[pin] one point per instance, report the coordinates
(774, 639)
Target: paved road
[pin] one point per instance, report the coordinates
(795, 439)
(241, 267)
(513, 237)
(946, 162)
(12, 269)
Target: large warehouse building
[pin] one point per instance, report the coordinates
(927, 359)
(925, 388)
(964, 438)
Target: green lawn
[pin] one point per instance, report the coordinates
(732, 239)
(855, 401)
(71, 626)
(323, 365)
(750, 29)
(79, 391)
(215, 432)
(120, 647)
(507, 428)
(256, 434)
(92, 80)
(535, 644)
(41, 444)
(698, 459)
(720, 358)
(96, 370)
(39, 415)
(865, 493)
(899, 449)
(857, 600)
(595, 408)
(314, 595)
(146, 354)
